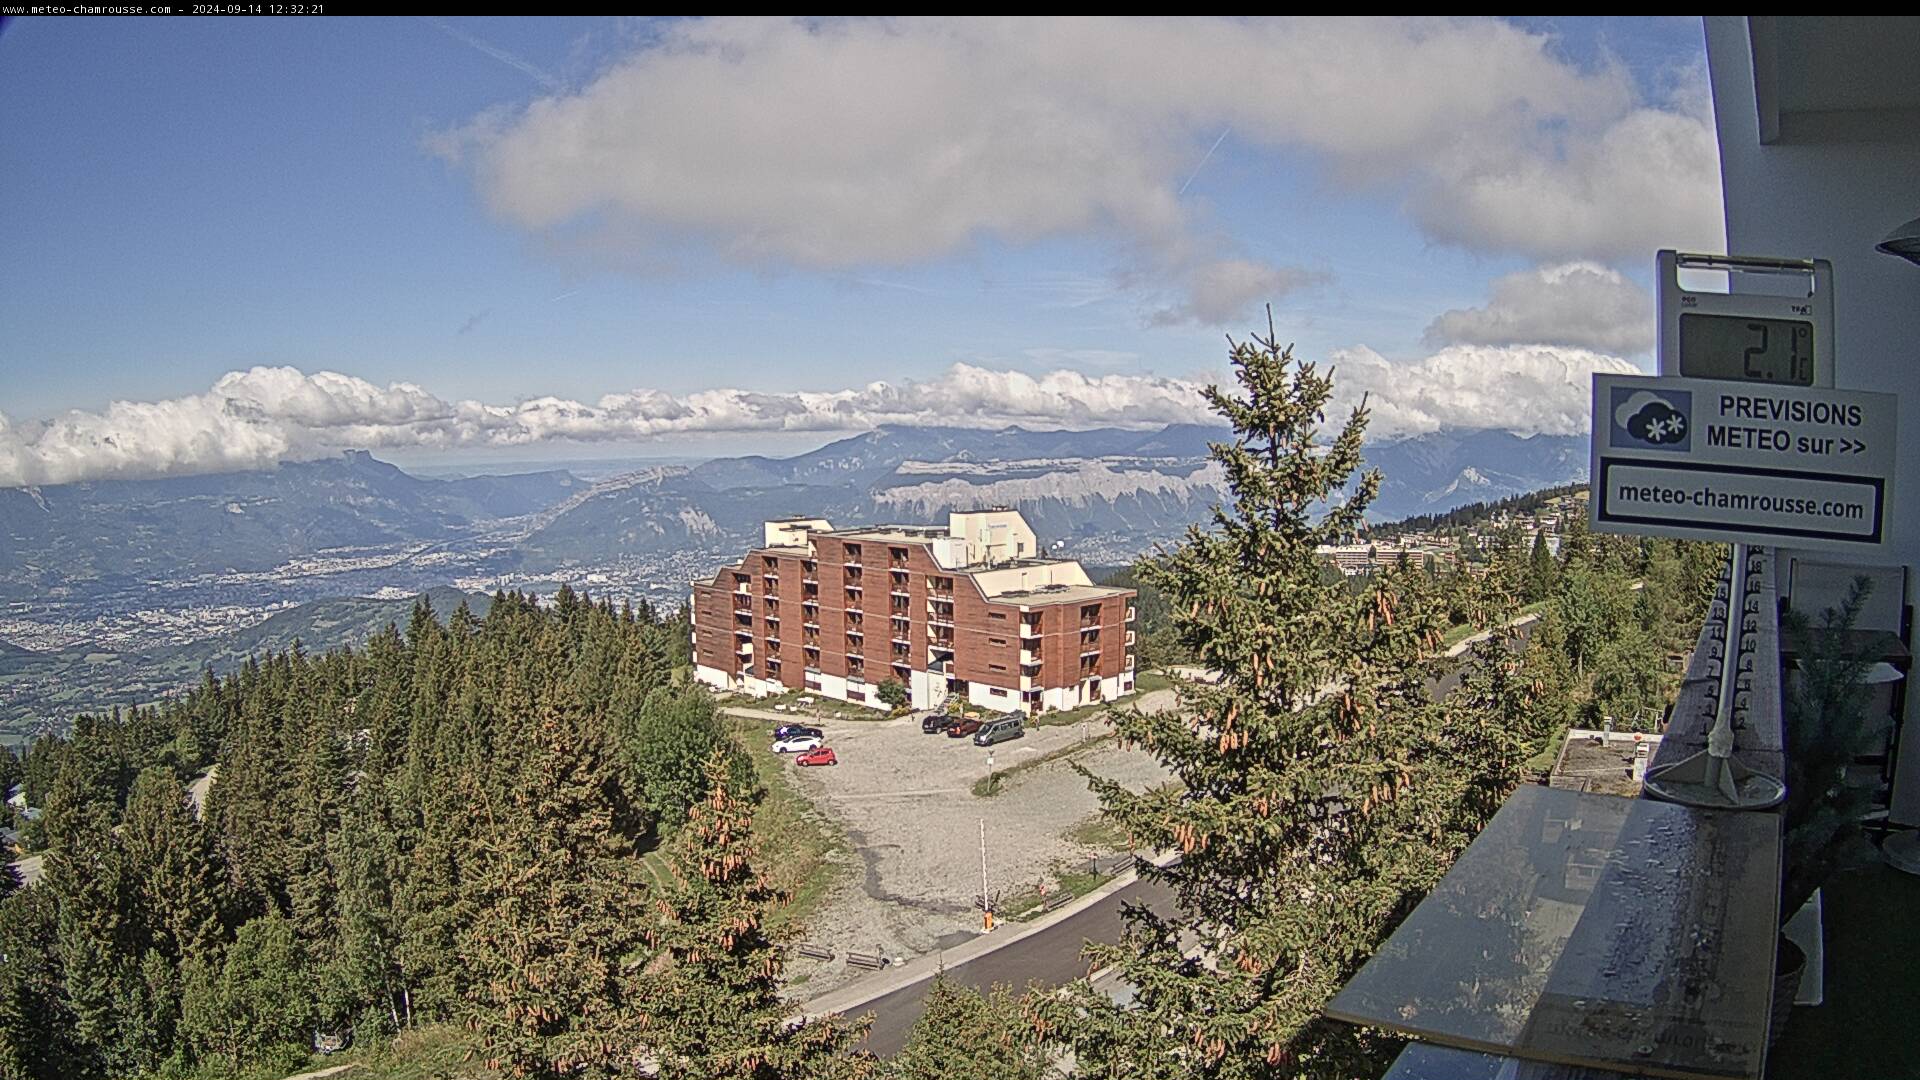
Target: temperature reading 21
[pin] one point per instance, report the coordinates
(1747, 349)
(1758, 361)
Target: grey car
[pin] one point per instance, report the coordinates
(997, 731)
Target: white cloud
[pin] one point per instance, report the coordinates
(1227, 291)
(257, 418)
(1579, 304)
(1647, 180)
(838, 144)
(1526, 389)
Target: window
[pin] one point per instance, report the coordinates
(1001, 615)
(996, 667)
(996, 691)
(996, 641)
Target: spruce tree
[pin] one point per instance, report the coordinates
(36, 1030)
(168, 855)
(1318, 790)
(98, 935)
(711, 996)
(963, 1034)
(561, 908)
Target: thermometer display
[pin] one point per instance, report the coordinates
(1746, 349)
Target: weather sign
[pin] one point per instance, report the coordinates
(1804, 467)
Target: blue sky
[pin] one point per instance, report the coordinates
(501, 211)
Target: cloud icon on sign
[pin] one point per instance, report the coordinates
(1651, 419)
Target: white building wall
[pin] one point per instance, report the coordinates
(712, 676)
(982, 696)
(929, 691)
(1832, 186)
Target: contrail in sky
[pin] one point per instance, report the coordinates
(501, 55)
(1206, 158)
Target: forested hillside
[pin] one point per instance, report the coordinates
(445, 825)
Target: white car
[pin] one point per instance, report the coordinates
(796, 744)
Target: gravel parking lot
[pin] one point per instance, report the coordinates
(905, 801)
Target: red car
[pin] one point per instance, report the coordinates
(963, 727)
(822, 756)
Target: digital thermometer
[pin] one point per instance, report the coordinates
(1774, 324)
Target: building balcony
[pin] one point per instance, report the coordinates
(1029, 630)
(900, 594)
(1518, 949)
(1130, 612)
(1129, 639)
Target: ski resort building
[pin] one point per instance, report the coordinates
(970, 609)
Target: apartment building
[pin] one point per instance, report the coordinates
(971, 609)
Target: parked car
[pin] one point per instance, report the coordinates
(789, 731)
(823, 756)
(795, 744)
(935, 722)
(997, 731)
(962, 727)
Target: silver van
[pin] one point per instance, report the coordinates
(994, 731)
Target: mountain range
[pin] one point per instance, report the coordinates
(1102, 494)
(127, 532)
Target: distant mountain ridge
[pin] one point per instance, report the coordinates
(111, 532)
(1104, 494)
(1105, 490)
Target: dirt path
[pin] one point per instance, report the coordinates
(318, 1074)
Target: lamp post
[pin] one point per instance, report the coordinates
(986, 901)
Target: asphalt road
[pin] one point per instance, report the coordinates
(1050, 957)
